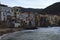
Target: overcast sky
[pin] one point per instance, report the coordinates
(29, 3)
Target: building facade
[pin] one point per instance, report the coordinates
(5, 12)
(23, 17)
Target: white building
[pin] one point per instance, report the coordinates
(5, 12)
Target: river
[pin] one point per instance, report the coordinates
(51, 33)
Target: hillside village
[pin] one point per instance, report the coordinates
(20, 17)
(16, 17)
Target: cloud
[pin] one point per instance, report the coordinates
(29, 3)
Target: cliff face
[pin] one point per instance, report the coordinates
(53, 9)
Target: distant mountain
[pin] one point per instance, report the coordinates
(3, 5)
(30, 9)
(53, 9)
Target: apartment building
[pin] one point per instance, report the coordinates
(24, 17)
(5, 12)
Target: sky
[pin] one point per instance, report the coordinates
(29, 3)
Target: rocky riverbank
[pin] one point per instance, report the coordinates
(9, 30)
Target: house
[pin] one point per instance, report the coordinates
(16, 12)
(5, 15)
(28, 18)
(22, 17)
(16, 16)
(5, 12)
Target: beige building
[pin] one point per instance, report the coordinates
(16, 12)
(16, 16)
(53, 20)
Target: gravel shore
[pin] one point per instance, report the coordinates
(8, 30)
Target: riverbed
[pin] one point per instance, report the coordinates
(51, 33)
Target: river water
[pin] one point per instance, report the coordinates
(52, 33)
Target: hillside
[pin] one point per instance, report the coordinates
(31, 10)
(53, 9)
